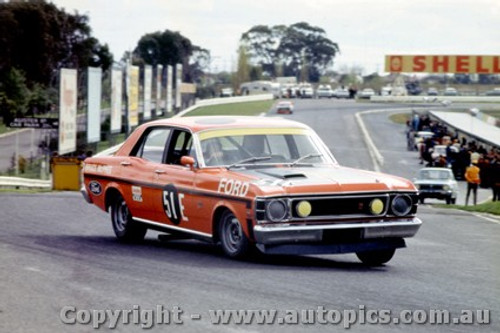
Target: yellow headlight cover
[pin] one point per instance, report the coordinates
(376, 206)
(303, 208)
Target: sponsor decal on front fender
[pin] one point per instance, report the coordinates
(95, 188)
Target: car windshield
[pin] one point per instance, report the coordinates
(434, 174)
(257, 147)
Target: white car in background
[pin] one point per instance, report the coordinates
(306, 91)
(341, 93)
(450, 91)
(366, 93)
(436, 183)
(324, 90)
(421, 136)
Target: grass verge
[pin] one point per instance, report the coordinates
(234, 109)
(489, 207)
(400, 118)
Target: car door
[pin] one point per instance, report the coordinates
(140, 170)
(174, 198)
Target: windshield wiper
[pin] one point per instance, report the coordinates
(305, 157)
(252, 159)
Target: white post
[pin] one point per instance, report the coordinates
(16, 155)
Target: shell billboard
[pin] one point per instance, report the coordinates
(478, 64)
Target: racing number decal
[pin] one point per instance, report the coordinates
(172, 204)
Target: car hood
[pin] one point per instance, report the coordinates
(434, 182)
(323, 180)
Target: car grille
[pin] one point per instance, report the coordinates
(337, 207)
(431, 187)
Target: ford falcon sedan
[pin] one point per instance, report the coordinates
(249, 183)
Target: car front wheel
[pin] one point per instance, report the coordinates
(234, 242)
(125, 228)
(376, 258)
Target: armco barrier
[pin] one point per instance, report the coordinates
(18, 182)
(435, 99)
(62, 181)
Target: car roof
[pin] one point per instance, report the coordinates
(201, 123)
(425, 133)
(435, 169)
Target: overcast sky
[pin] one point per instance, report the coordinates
(365, 30)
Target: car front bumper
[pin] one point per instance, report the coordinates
(85, 194)
(352, 235)
(437, 194)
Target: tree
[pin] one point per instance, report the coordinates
(39, 38)
(261, 43)
(13, 95)
(170, 48)
(199, 62)
(299, 48)
(242, 72)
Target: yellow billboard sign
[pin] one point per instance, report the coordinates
(479, 64)
(133, 96)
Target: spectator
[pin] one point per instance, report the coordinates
(495, 179)
(473, 180)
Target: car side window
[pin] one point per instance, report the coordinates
(154, 145)
(180, 145)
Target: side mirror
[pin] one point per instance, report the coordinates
(188, 161)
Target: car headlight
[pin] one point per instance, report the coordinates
(376, 206)
(276, 210)
(446, 187)
(401, 205)
(303, 208)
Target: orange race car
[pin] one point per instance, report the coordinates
(248, 182)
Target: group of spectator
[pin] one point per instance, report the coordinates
(445, 149)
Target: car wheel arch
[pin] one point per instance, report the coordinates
(216, 219)
(112, 193)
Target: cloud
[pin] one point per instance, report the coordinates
(365, 30)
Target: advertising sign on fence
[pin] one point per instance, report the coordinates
(178, 82)
(133, 96)
(159, 75)
(67, 111)
(94, 104)
(116, 100)
(148, 81)
(169, 88)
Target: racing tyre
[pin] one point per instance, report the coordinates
(376, 258)
(448, 201)
(125, 228)
(234, 242)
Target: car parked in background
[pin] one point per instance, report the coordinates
(450, 91)
(493, 92)
(436, 183)
(420, 137)
(324, 91)
(366, 93)
(432, 91)
(226, 92)
(341, 93)
(306, 91)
